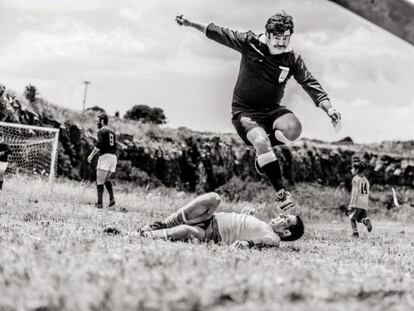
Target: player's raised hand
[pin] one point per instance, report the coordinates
(334, 115)
(182, 21)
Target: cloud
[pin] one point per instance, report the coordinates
(58, 5)
(72, 42)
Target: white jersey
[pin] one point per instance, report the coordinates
(360, 192)
(241, 227)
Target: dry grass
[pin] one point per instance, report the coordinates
(54, 256)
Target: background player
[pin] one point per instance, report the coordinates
(199, 219)
(267, 63)
(358, 204)
(106, 147)
(4, 153)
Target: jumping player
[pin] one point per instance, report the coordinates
(106, 147)
(359, 198)
(4, 153)
(267, 63)
(199, 219)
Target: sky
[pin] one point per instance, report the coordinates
(134, 53)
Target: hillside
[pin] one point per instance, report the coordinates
(192, 161)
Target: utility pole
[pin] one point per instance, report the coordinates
(86, 82)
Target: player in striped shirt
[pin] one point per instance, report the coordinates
(199, 220)
(358, 204)
(267, 63)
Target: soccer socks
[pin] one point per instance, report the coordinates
(270, 166)
(354, 228)
(100, 190)
(1, 185)
(177, 218)
(108, 186)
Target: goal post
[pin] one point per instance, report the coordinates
(34, 149)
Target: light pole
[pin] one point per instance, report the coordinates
(86, 82)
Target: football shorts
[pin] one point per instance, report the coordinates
(358, 214)
(3, 166)
(107, 162)
(247, 120)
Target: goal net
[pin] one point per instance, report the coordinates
(34, 149)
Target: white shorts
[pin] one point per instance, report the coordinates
(107, 162)
(3, 166)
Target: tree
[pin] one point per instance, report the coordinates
(96, 109)
(30, 92)
(146, 114)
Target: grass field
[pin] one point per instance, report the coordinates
(54, 256)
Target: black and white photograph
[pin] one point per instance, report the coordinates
(206, 155)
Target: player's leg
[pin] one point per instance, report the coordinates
(287, 128)
(109, 188)
(354, 218)
(365, 220)
(101, 176)
(178, 233)
(112, 160)
(266, 158)
(253, 133)
(354, 228)
(269, 164)
(198, 210)
(3, 167)
(1, 177)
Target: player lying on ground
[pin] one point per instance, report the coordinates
(199, 220)
(358, 204)
(4, 153)
(267, 63)
(106, 147)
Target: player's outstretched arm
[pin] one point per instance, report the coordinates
(183, 21)
(332, 113)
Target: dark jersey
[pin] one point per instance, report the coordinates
(4, 152)
(262, 77)
(106, 141)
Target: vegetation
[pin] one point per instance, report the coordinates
(54, 256)
(146, 114)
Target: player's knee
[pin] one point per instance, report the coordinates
(212, 200)
(192, 233)
(289, 133)
(262, 144)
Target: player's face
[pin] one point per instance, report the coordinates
(283, 221)
(353, 171)
(277, 44)
(98, 122)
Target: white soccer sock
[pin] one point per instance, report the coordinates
(266, 158)
(281, 137)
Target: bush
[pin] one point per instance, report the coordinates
(146, 114)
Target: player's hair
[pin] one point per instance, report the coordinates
(279, 23)
(358, 164)
(104, 117)
(296, 231)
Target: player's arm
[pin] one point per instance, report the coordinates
(230, 38)
(97, 147)
(265, 242)
(183, 21)
(94, 152)
(311, 86)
